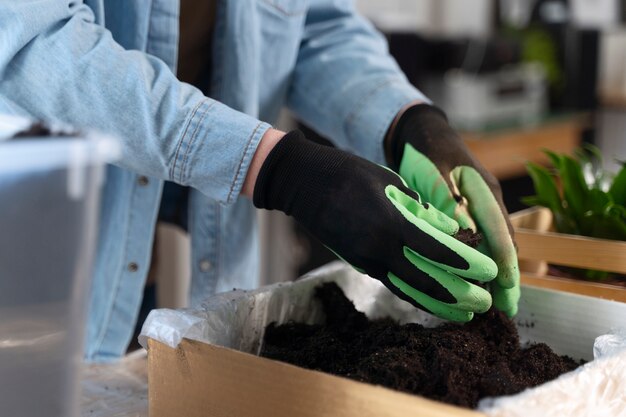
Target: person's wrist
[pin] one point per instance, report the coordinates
(392, 128)
(267, 143)
(418, 124)
(296, 175)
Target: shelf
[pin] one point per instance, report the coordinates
(505, 153)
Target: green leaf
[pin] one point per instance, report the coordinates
(555, 158)
(617, 210)
(581, 208)
(566, 224)
(575, 189)
(592, 158)
(604, 227)
(594, 153)
(598, 201)
(533, 200)
(545, 187)
(618, 188)
(593, 220)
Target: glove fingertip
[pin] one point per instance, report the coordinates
(509, 310)
(449, 225)
(472, 298)
(453, 314)
(460, 316)
(482, 268)
(483, 303)
(506, 299)
(508, 277)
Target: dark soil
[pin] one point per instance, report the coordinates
(468, 237)
(457, 364)
(38, 129)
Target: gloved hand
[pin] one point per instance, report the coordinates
(367, 216)
(434, 162)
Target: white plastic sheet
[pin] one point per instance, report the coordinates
(237, 319)
(596, 389)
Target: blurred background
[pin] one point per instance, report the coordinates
(514, 76)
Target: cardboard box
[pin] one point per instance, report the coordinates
(539, 245)
(194, 378)
(198, 379)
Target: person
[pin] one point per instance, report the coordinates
(111, 65)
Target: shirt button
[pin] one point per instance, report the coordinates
(143, 180)
(133, 267)
(205, 265)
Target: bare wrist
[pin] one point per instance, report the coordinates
(267, 143)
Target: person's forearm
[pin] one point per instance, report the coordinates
(168, 130)
(269, 140)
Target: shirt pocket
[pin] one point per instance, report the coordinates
(286, 8)
(281, 27)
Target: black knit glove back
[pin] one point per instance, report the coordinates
(367, 216)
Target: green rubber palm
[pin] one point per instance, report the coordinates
(445, 174)
(468, 297)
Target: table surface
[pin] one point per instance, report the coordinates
(119, 389)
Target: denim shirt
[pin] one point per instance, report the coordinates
(109, 65)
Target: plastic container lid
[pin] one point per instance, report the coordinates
(51, 152)
(73, 153)
(35, 154)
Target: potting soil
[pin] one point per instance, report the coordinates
(454, 363)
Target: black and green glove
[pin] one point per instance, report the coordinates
(434, 162)
(369, 217)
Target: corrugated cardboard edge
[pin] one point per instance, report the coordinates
(198, 379)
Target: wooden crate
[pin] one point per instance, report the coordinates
(539, 245)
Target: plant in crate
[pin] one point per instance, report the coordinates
(584, 199)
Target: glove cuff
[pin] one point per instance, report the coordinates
(294, 174)
(417, 124)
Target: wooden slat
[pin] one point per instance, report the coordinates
(593, 289)
(576, 251)
(616, 100)
(505, 154)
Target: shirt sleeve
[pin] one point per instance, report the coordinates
(346, 85)
(57, 64)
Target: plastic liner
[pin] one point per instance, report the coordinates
(237, 319)
(568, 323)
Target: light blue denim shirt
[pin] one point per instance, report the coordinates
(109, 65)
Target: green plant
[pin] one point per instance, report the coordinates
(584, 198)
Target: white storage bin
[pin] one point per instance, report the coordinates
(49, 198)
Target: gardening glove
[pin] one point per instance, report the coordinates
(366, 214)
(434, 162)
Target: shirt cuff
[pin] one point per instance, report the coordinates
(215, 149)
(369, 122)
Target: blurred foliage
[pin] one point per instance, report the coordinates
(584, 198)
(539, 47)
